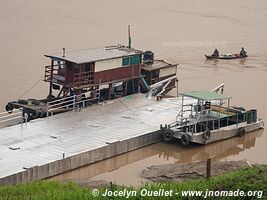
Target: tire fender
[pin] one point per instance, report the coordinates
(185, 139)
(168, 135)
(206, 135)
(241, 132)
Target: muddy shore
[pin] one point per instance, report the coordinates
(188, 171)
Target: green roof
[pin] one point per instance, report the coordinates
(205, 95)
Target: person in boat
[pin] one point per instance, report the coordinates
(216, 53)
(243, 53)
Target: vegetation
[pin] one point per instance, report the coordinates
(248, 179)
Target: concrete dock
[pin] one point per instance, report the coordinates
(46, 147)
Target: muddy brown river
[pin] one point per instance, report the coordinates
(178, 31)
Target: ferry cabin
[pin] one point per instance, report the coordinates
(110, 68)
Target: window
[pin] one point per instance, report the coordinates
(86, 67)
(155, 74)
(125, 61)
(132, 60)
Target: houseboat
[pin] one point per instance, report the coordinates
(207, 117)
(80, 78)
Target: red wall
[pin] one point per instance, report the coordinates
(117, 74)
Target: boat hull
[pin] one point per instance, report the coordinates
(225, 57)
(222, 133)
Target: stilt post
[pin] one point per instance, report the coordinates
(208, 168)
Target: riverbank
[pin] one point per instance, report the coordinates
(245, 179)
(180, 172)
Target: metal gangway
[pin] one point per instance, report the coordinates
(159, 88)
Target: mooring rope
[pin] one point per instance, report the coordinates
(31, 87)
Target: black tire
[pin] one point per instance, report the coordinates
(241, 132)
(206, 135)
(43, 114)
(9, 108)
(168, 135)
(185, 140)
(34, 114)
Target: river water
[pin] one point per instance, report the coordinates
(178, 31)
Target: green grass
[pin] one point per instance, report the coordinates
(249, 179)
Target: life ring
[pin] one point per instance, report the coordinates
(241, 132)
(206, 135)
(185, 140)
(168, 135)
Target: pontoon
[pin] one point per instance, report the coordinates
(207, 117)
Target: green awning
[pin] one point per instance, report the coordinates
(205, 95)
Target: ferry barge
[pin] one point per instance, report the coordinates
(81, 78)
(204, 119)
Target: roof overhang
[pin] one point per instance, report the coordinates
(158, 64)
(205, 95)
(95, 54)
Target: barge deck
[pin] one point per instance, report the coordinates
(46, 147)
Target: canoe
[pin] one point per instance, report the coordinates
(225, 56)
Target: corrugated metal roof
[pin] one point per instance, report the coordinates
(96, 54)
(205, 95)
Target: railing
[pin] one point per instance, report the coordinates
(72, 102)
(158, 88)
(83, 78)
(218, 88)
(8, 119)
(59, 76)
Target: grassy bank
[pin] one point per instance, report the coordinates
(250, 179)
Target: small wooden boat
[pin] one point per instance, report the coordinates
(226, 56)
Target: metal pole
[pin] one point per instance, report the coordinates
(182, 106)
(228, 111)
(74, 103)
(177, 90)
(129, 37)
(47, 108)
(99, 96)
(219, 124)
(51, 81)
